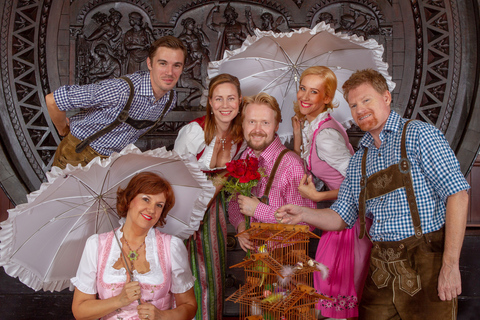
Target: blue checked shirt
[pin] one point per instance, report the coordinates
(435, 173)
(100, 104)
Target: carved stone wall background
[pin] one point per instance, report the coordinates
(430, 46)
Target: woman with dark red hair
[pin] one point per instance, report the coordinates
(162, 283)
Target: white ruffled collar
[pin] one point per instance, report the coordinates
(308, 131)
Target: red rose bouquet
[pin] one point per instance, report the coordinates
(242, 176)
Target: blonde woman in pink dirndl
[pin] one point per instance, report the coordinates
(327, 151)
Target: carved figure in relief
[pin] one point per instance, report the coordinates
(231, 33)
(104, 65)
(100, 18)
(137, 40)
(327, 17)
(357, 23)
(195, 72)
(268, 22)
(110, 33)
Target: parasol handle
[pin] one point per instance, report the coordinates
(130, 272)
(302, 148)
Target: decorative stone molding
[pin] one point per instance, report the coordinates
(433, 25)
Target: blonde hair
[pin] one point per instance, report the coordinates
(329, 82)
(266, 99)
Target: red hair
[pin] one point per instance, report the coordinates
(146, 183)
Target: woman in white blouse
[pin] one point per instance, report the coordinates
(162, 284)
(327, 152)
(214, 139)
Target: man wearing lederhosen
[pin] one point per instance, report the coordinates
(406, 178)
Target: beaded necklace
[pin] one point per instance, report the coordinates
(132, 254)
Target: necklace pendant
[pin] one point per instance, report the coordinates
(132, 255)
(223, 141)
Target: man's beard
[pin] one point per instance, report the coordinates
(259, 147)
(367, 125)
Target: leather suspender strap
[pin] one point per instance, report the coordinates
(404, 167)
(165, 109)
(142, 124)
(122, 117)
(264, 198)
(363, 195)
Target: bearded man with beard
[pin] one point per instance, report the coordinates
(261, 117)
(405, 177)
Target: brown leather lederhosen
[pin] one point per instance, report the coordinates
(403, 275)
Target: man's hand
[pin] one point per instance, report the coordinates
(289, 214)
(244, 239)
(59, 118)
(449, 282)
(248, 205)
(66, 130)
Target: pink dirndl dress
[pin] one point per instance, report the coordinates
(342, 252)
(158, 295)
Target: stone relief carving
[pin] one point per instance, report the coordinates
(194, 75)
(352, 18)
(107, 48)
(137, 40)
(355, 21)
(269, 23)
(431, 99)
(25, 76)
(231, 32)
(103, 65)
(207, 35)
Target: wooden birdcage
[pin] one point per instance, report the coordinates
(278, 274)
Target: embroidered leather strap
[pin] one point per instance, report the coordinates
(363, 195)
(404, 166)
(387, 180)
(264, 198)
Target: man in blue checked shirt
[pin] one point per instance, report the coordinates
(116, 112)
(406, 178)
